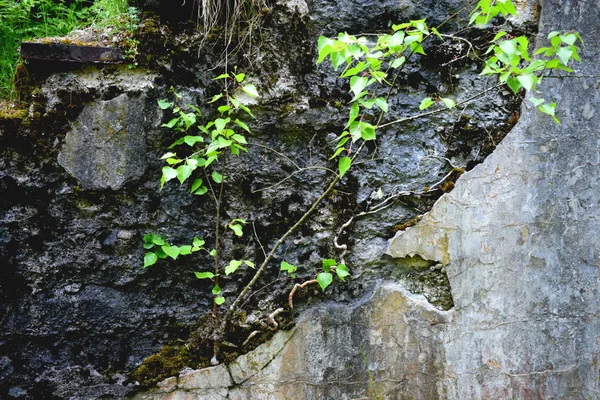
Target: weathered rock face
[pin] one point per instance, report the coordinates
(336, 352)
(80, 188)
(519, 239)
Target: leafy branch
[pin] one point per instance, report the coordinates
(367, 65)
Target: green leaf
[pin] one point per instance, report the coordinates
(553, 33)
(242, 125)
(249, 263)
(158, 240)
(382, 104)
(213, 252)
(565, 54)
(549, 109)
(396, 42)
(216, 97)
(237, 229)
(474, 16)
(344, 165)
(220, 123)
(368, 103)
(527, 81)
(223, 109)
(357, 84)
(325, 45)
(289, 268)
(514, 84)
(426, 102)
(247, 110)
(219, 300)
(367, 131)
(161, 254)
(353, 113)
(150, 258)
(328, 263)
(197, 244)
(204, 275)
(167, 155)
(417, 48)
(337, 152)
(250, 90)
(185, 250)
(184, 172)
(202, 190)
(498, 35)
(195, 185)
(239, 138)
(222, 76)
(171, 251)
(171, 123)
(448, 102)
(216, 290)
(239, 77)
(400, 26)
(342, 271)
(324, 279)
(509, 47)
(217, 177)
(232, 267)
(177, 142)
(168, 173)
(398, 62)
(164, 104)
(535, 101)
(361, 66)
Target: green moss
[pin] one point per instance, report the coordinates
(158, 367)
(407, 224)
(12, 111)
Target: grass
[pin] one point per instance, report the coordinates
(28, 19)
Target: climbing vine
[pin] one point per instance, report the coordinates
(371, 65)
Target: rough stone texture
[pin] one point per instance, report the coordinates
(77, 311)
(248, 365)
(107, 145)
(347, 352)
(519, 238)
(70, 53)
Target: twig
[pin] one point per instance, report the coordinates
(296, 287)
(416, 116)
(276, 152)
(254, 333)
(258, 240)
(260, 290)
(271, 318)
(291, 175)
(217, 225)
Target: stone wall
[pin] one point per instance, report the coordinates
(80, 188)
(518, 238)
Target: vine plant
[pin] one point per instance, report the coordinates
(371, 67)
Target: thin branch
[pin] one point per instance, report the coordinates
(217, 226)
(417, 116)
(254, 333)
(296, 287)
(291, 175)
(276, 152)
(271, 318)
(258, 239)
